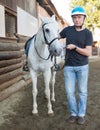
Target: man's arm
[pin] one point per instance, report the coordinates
(87, 51)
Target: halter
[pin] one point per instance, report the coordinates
(46, 41)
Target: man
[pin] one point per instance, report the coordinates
(79, 42)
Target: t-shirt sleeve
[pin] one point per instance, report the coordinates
(89, 39)
(63, 33)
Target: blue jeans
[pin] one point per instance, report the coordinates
(71, 75)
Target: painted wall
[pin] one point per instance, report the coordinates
(27, 25)
(2, 21)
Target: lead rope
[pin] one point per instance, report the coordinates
(57, 67)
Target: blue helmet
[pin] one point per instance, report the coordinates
(78, 10)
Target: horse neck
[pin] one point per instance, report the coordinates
(40, 44)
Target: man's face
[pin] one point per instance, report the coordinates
(78, 19)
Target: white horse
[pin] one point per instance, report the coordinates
(42, 46)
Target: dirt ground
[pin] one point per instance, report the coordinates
(15, 112)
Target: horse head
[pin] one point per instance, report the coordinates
(50, 28)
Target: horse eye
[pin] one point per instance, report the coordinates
(47, 30)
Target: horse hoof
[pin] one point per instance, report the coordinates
(35, 113)
(53, 100)
(51, 114)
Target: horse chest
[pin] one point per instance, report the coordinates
(40, 65)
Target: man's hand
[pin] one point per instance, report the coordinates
(71, 47)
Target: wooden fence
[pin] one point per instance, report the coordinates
(12, 77)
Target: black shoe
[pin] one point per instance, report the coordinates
(81, 120)
(25, 67)
(72, 119)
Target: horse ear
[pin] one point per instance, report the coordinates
(53, 17)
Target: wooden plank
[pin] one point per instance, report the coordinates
(12, 89)
(10, 75)
(4, 63)
(22, 45)
(10, 55)
(9, 47)
(29, 81)
(10, 68)
(10, 82)
(8, 39)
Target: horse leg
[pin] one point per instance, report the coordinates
(47, 76)
(53, 83)
(34, 91)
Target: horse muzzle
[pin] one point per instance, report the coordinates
(55, 50)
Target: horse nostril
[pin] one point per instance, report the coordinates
(57, 52)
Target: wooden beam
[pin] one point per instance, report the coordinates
(10, 75)
(4, 63)
(10, 68)
(9, 47)
(10, 82)
(4, 55)
(8, 40)
(12, 89)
